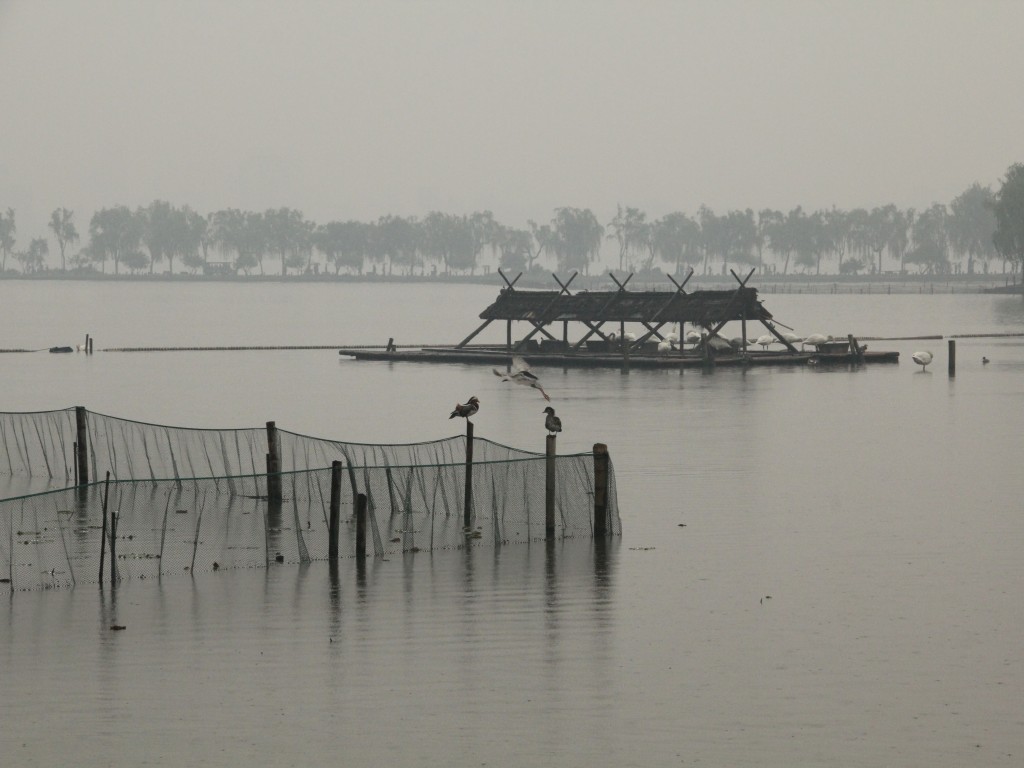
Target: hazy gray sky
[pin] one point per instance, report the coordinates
(357, 109)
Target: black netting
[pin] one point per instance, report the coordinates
(180, 522)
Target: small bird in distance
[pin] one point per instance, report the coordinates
(521, 374)
(922, 359)
(467, 410)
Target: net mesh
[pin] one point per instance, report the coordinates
(180, 504)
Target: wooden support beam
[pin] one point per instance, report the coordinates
(510, 284)
(473, 335)
(564, 286)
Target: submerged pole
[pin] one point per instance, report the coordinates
(103, 531)
(467, 507)
(332, 527)
(361, 526)
(952, 357)
(273, 463)
(601, 461)
(549, 488)
(82, 425)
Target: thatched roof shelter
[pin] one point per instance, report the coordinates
(652, 309)
(700, 307)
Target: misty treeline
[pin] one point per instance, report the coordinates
(977, 226)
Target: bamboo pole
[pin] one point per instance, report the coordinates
(601, 461)
(335, 518)
(549, 488)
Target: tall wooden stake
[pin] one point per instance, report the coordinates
(549, 488)
(952, 357)
(600, 490)
(82, 425)
(467, 507)
(103, 532)
(335, 518)
(361, 526)
(273, 463)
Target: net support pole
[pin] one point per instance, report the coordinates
(82, 429)
(467, 507)
(600, 490)
(361, 526)
(335, 519)
(103, 531)
(549, 487)
(273, 463)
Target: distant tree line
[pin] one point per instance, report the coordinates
(979, 225)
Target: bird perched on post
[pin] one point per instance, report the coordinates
(552, 423)
(467, 410)
(520, 374)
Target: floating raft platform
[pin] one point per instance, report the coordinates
(601, 340)
(492, 355)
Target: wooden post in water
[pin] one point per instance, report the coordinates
(467, 507)
(103, 531)
(74, 459)
(113, 546)
(82, 425)
(549, 488)
(335, 518)
(952, 357)
(855, 349)
(600, 490)
(273, 463)
(361, 526)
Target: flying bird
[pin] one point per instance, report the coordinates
(520, 374)
(922, 359)
(552, 423)
(467, 410)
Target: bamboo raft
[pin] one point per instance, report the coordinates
(495, 355)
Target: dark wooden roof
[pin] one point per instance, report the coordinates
(701, 307)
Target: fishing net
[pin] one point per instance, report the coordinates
(181, 523)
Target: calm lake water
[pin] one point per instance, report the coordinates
(817, 567)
